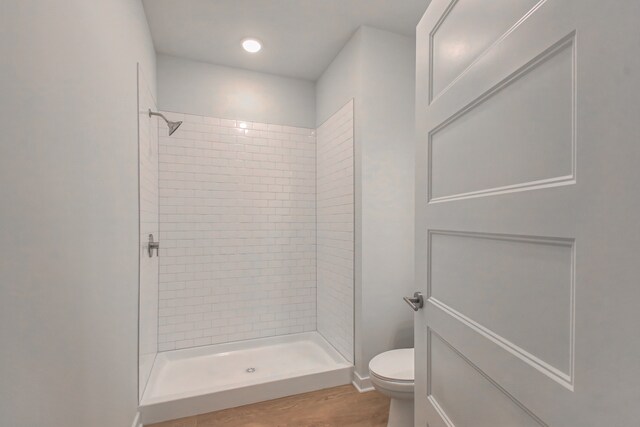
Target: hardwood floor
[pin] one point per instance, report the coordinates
(340, 406)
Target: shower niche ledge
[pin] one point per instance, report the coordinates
(210, 378)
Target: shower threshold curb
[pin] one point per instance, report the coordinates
(169, 407)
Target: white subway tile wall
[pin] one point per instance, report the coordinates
(335, 230)
(237, 231)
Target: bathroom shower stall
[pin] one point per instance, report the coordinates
(250, 295)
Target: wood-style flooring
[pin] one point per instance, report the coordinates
(340, 406)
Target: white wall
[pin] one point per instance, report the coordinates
(335, 230)
(69, 216)
(212, 90)
(238, 231)
(149, 202)
(377, 69)
(388, 182)
(341, 81)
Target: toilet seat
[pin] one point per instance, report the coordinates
(395, 366)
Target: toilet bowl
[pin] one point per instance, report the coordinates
(391, 374)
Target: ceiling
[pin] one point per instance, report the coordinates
(300, 37)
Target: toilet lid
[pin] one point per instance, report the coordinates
(394, 365)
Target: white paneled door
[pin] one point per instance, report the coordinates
(528, 207)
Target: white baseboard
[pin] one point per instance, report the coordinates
(362, 384)
(137, 422)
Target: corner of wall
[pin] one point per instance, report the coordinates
(137, 421)
(383, 67)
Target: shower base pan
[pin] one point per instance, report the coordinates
(205, 379)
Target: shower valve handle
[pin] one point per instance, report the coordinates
(153, 245)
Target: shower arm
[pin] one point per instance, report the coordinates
(173, 126)
(153, 113)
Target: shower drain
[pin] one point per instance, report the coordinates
(251, 370)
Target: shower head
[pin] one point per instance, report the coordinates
(173, 126)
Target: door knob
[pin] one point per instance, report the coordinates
(417, 302)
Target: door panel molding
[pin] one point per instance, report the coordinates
(566, 379)
(555, 374)
(524, 44)
(437, 408)
(516, 20)
(567, 42)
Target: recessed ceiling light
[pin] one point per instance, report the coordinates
(251, 45)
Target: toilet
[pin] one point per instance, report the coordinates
(391, 374)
